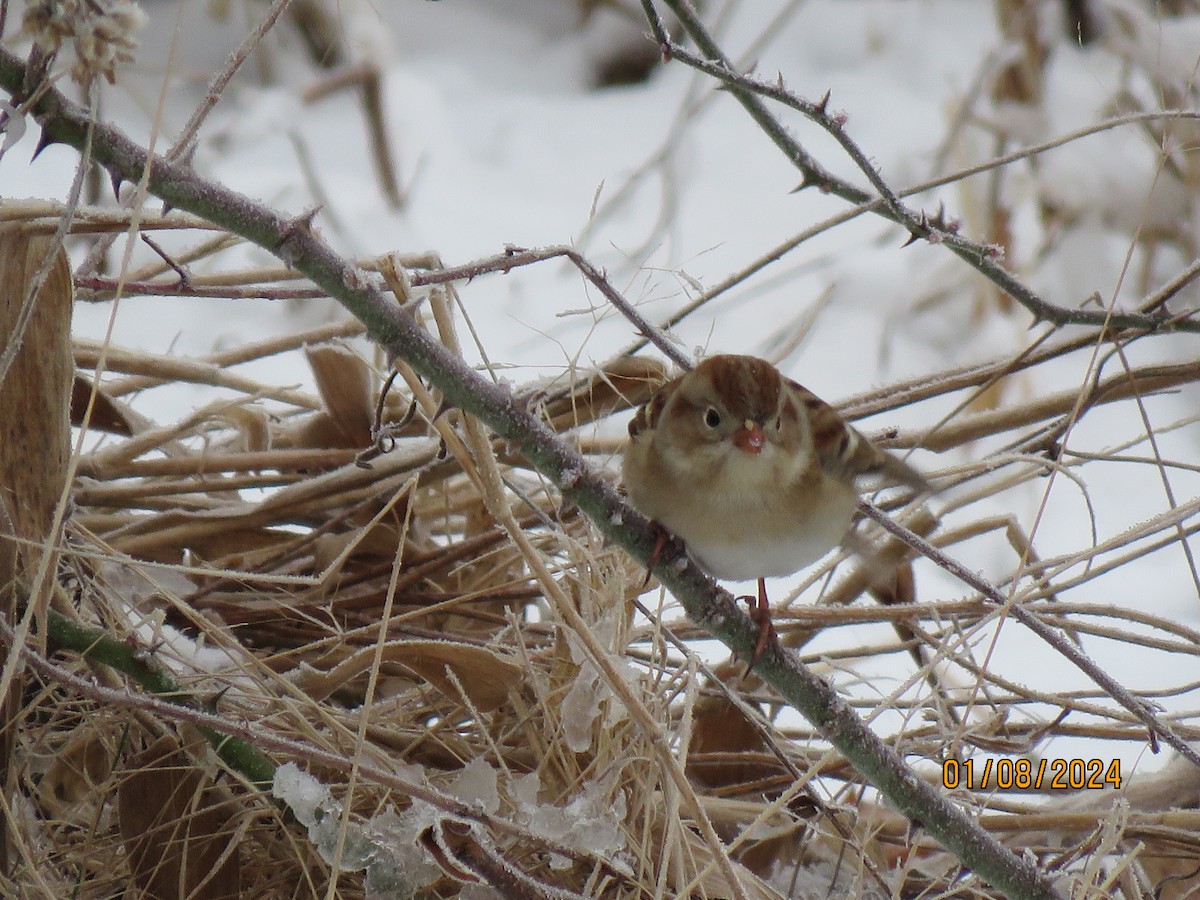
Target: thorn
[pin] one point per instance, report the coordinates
(220, 695)
(166, 207)
(444, 407)
(922, 231)
(302, 222)
(941, 223)
(116, 180)
(44, 141)
(294, 227)
(805, 182)
(823, 104)
(667, 53)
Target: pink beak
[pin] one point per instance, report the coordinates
(750, 438)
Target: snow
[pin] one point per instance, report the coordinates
(389, 845)
(501, 140)
(589, 821)
(476, 785)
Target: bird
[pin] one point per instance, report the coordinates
(756, 474)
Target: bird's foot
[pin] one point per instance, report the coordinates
(662, 538)
(760, 614)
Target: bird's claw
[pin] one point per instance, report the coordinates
(760, 615)
(662, 538)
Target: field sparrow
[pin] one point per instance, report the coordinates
(754, 472)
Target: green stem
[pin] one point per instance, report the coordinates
(97, 645)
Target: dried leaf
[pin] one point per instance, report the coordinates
(623, 384)
(722, 728)
(78, 767)
(175, 829)
(486, 676)
(253, 426)
(35, 435)
(346, 385)
(108, 415)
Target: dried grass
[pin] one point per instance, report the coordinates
(427, 614)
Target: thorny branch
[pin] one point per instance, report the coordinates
(935, 229)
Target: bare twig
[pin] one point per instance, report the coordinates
(1115, 689)
(515, 257)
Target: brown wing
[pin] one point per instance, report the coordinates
(843, 449)
(648, 414)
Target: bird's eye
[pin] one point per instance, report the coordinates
(712, 418)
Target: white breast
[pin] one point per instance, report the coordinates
(743, 536)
